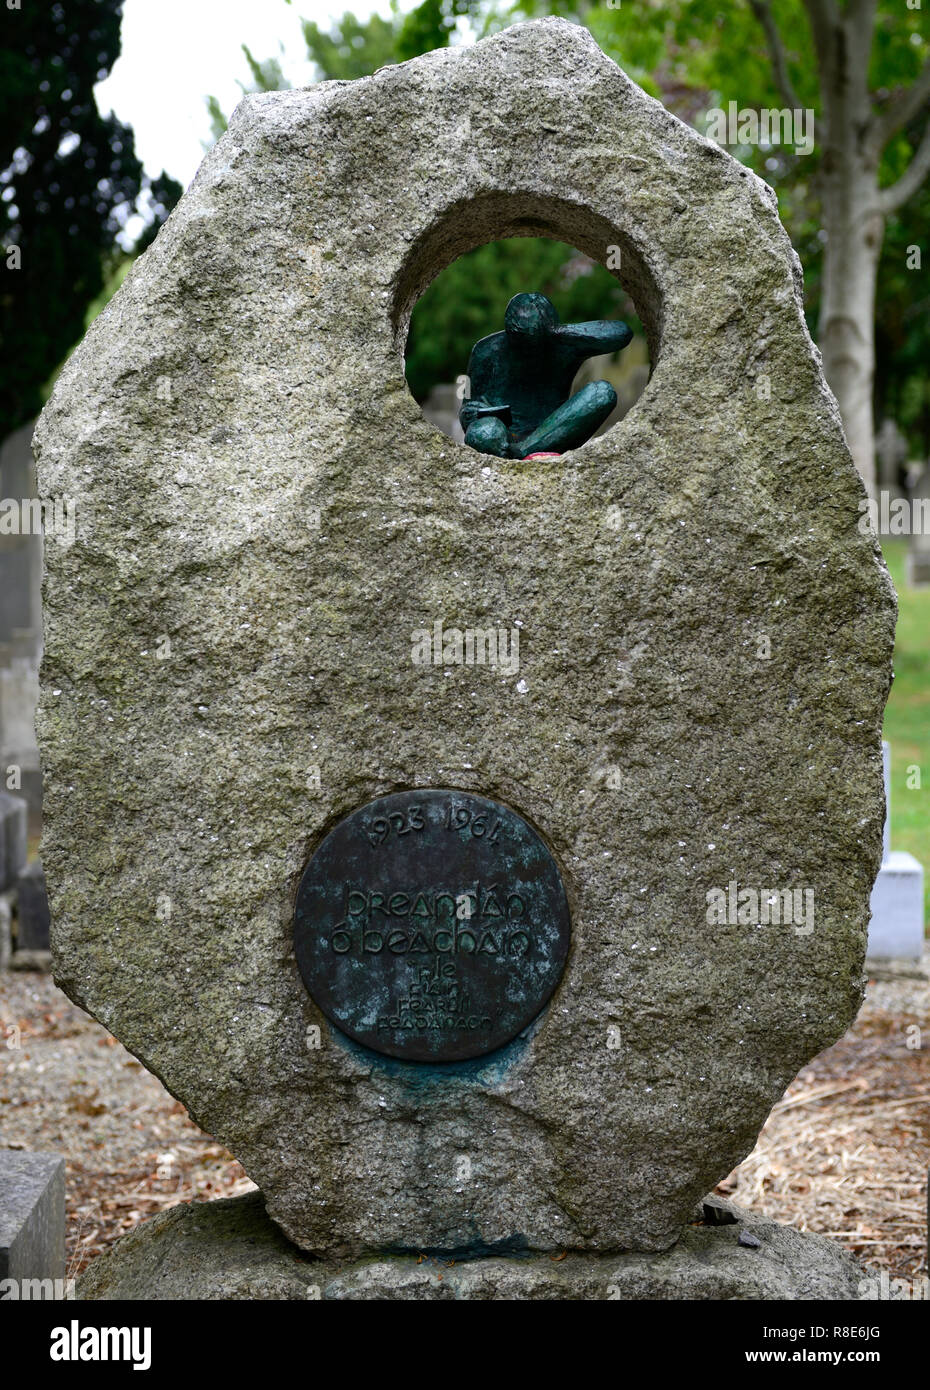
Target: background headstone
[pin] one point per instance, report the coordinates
(441, 408)
(32, 909)
(891, 453)
(6, 929)
(32, 1215)
(896, 930)
(20, 623)
(13, 838)
(918, 555)
(705, 648)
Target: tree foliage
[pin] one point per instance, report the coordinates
(351, 47)
(70, 179)
(695, 56)
(468, 300)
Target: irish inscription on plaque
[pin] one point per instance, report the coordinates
(432, 925)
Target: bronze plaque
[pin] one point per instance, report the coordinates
(432, 925)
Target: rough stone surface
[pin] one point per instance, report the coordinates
(32, 1215)
(224, 677)
(230, 1250)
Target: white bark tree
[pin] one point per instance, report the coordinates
(855, 127)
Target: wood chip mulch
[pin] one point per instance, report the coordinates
(846, 1150)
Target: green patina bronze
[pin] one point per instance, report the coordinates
(520, 382)
(432, 925)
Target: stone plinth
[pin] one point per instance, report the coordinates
(229, 1249)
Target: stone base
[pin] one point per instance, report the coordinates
(877, 968)
(918, 568)
(230, 1249)
(897, 926)
(31, 960)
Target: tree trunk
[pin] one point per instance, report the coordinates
(846, 332)
(852, 217)
(852, 136)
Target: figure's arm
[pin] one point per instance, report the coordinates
(478, 406)
(594, 338)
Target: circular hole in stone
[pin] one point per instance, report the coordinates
(458, 281)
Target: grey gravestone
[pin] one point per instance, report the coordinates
(6, 929)
(32, 910)
(21, 549)
(441, 408)
(19, 765)
(13, 838)
(32, 1216)
(891, 451)
(274, 534)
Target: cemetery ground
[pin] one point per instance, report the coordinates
(843, 1153)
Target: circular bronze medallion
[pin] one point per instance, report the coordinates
(431, 925)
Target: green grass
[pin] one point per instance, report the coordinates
(907, 717)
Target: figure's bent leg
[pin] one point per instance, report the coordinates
(488, 436)
(573, 423)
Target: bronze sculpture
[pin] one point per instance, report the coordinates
(520, 381)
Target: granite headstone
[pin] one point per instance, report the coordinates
(692, 654)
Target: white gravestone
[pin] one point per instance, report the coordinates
(897, 926)
(918, 556)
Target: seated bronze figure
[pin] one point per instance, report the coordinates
(520, 382)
